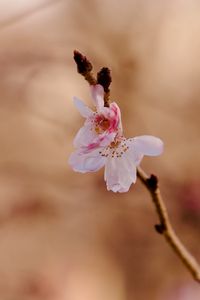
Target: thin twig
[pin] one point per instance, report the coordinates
(165, 228)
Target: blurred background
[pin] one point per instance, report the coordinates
(62, 235)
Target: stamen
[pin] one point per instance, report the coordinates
(101, 124)
(116, 149)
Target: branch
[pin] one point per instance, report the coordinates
(165, 228)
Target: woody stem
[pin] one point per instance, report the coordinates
(165, 228)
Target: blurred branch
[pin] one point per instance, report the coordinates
(165, 228)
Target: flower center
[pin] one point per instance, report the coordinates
(116, 149)
(102, 124)
(114, 144)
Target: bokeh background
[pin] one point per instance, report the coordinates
(62, 235)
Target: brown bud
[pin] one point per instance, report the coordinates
(83, 64)
(152, 182)
(160, 228)
(104, 78)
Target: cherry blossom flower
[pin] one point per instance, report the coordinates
(100, 142)
(101, 125)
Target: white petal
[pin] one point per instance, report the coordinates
(98, 96)
(148, 145)
(86, 162)
(85, 135)
(133, 155)
(120, 173)
(84, 110)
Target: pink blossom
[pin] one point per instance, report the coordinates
(101, 125)
(100, 142)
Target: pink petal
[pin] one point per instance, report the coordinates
(117, 113)
(86, 162)
(82, 108)
(113, 114)
(98, 96)
(101, 141)
(106, 138)
(147, 145)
